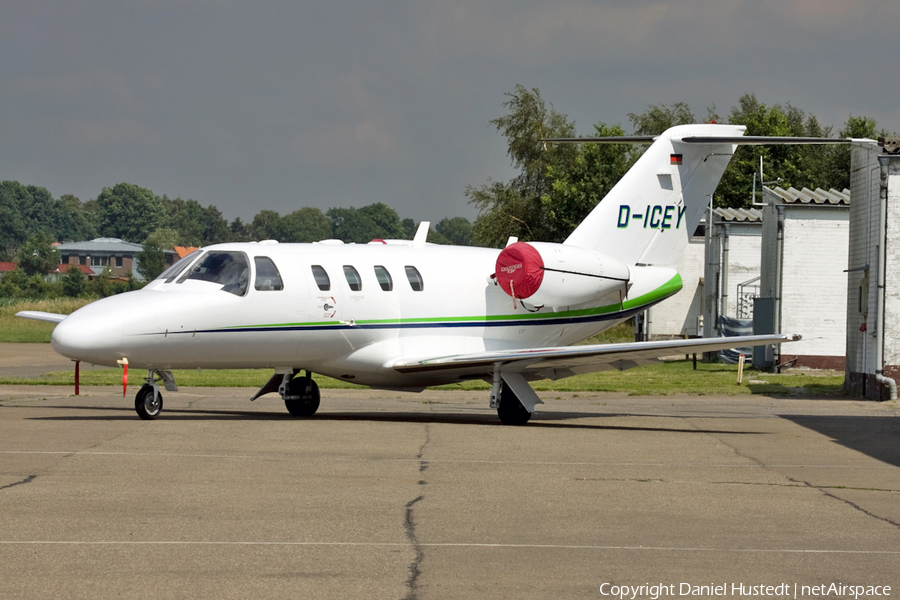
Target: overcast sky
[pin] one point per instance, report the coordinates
(285, 104)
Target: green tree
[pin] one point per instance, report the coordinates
(788, 165)
(74, 283)
(304, 225)
(362, 225)
(75, 222)
(409, 228)
(238, 231)
(456, 230)
(196, 225)
(557, 185)
(516, 207)
(129, 212)
(24, 210)
(152, 259)
(658, 118)
(266, 225)
(37, 256)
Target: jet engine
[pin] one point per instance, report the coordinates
(557, 275)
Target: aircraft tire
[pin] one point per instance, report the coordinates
(511, 411)
(307, 404)
(144, 405)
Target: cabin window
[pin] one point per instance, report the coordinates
(267, 277)
(353, 279)
(118, 261)
(415, 279)
(175, 270)
(384, 278)
(322, 279)
(229, 269)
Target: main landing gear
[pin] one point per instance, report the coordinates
(510, 409)
(513, 398)
(300, 395)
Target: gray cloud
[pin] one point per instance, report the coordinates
(280, 105)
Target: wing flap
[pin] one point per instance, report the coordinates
(569, 360)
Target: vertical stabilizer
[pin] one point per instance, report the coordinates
(648, 217)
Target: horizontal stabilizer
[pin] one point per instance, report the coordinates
(744, 140)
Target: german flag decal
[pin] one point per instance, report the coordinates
(676, 159)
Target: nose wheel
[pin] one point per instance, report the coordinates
(147, 403)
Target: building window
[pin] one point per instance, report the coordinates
(99, 261)
(118, 261)
(415, 279)
(384, 278)
(84, 260)
(267, 276)
(353, 279)
(321, 276)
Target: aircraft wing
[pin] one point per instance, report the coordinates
(565, 361)
(39, 315)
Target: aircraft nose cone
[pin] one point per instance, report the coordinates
(89, 335)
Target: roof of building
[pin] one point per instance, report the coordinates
(102, 245)
(183, 251)
(744, 215)
(807, 196)
(64, 268)
(7, 266)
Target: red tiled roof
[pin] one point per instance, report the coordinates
(183, 251)
(5, 267)
(64, 268)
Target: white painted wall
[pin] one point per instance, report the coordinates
(892, 269)
(743, 262)
(678, 315)
(863, 239)
(814, 285)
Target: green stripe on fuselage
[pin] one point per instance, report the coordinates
(667, 289)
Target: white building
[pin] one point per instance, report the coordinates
(682, 315)
(731, 277)
(873, 272)
(803, 282)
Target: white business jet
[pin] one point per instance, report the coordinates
(400, 314)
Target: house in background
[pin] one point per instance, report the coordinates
(62, 269)
(101, 253)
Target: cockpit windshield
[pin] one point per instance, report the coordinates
(175, 270)
(229, 269)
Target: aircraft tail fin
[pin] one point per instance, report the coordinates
(650, 214)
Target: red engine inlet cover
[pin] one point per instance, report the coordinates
(520, 270)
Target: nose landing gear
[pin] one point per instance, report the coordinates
(149, 402)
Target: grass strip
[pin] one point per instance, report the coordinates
(673, 377)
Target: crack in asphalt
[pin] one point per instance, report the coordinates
(822, 489)
(28, 479)
(848, 503)
(409, 524)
